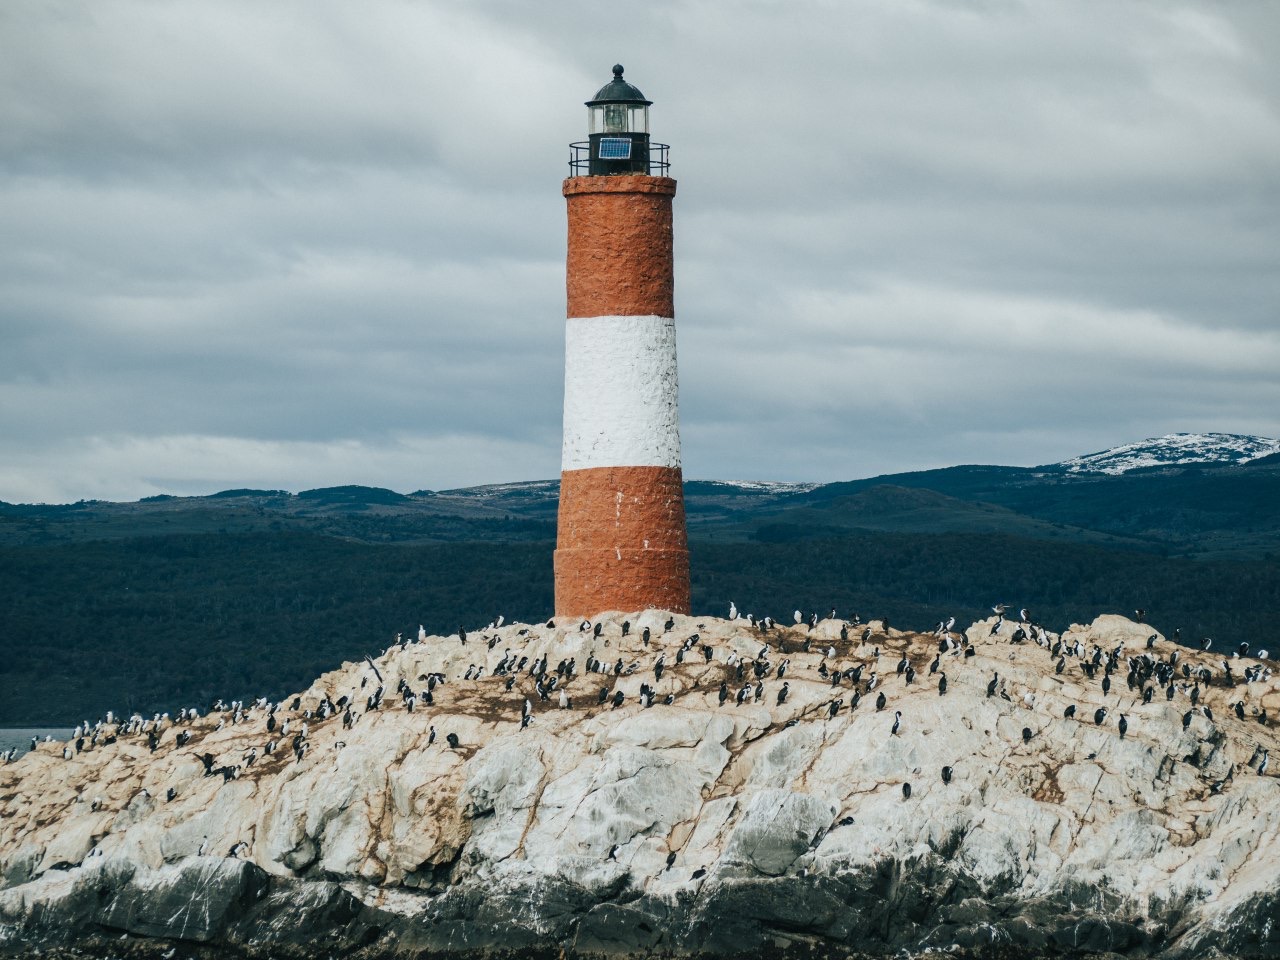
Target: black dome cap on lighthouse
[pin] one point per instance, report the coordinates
(618, 90)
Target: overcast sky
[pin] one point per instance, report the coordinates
(300, 244)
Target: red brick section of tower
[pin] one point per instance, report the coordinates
(621, 539)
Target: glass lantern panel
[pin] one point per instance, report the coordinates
(639, 119)
(615, 118)
(596, 119)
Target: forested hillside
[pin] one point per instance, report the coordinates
(156, 623)
(171, 601)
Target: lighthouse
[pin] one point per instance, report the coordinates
(621, 542)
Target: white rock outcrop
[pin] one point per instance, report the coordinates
(632, 829)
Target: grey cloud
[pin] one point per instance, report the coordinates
(907, 234)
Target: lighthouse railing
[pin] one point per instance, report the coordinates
(580, 159)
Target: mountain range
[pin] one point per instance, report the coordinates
(1195, 495)
(247, 593)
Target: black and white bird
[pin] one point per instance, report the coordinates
(897, 722)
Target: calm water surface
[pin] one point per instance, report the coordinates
(21, 736)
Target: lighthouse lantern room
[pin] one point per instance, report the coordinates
(618, 133)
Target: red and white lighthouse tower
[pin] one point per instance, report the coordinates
(621, 539)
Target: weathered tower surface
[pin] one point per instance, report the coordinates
(621, 539)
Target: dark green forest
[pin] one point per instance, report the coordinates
(158, 622)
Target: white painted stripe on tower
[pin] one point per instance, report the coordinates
(620, 393)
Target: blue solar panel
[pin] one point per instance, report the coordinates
(615, 148)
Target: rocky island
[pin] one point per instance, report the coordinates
(669, 785)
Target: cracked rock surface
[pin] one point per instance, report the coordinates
(694, 827)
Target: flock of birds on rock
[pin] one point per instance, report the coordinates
(281, 732)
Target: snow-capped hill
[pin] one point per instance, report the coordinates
(763, 486)
(490, 491)
(1172, 450)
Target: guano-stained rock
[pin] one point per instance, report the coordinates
(722, 822)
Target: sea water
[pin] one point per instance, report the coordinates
(21, 736)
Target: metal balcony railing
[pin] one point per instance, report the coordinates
(580, 159)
